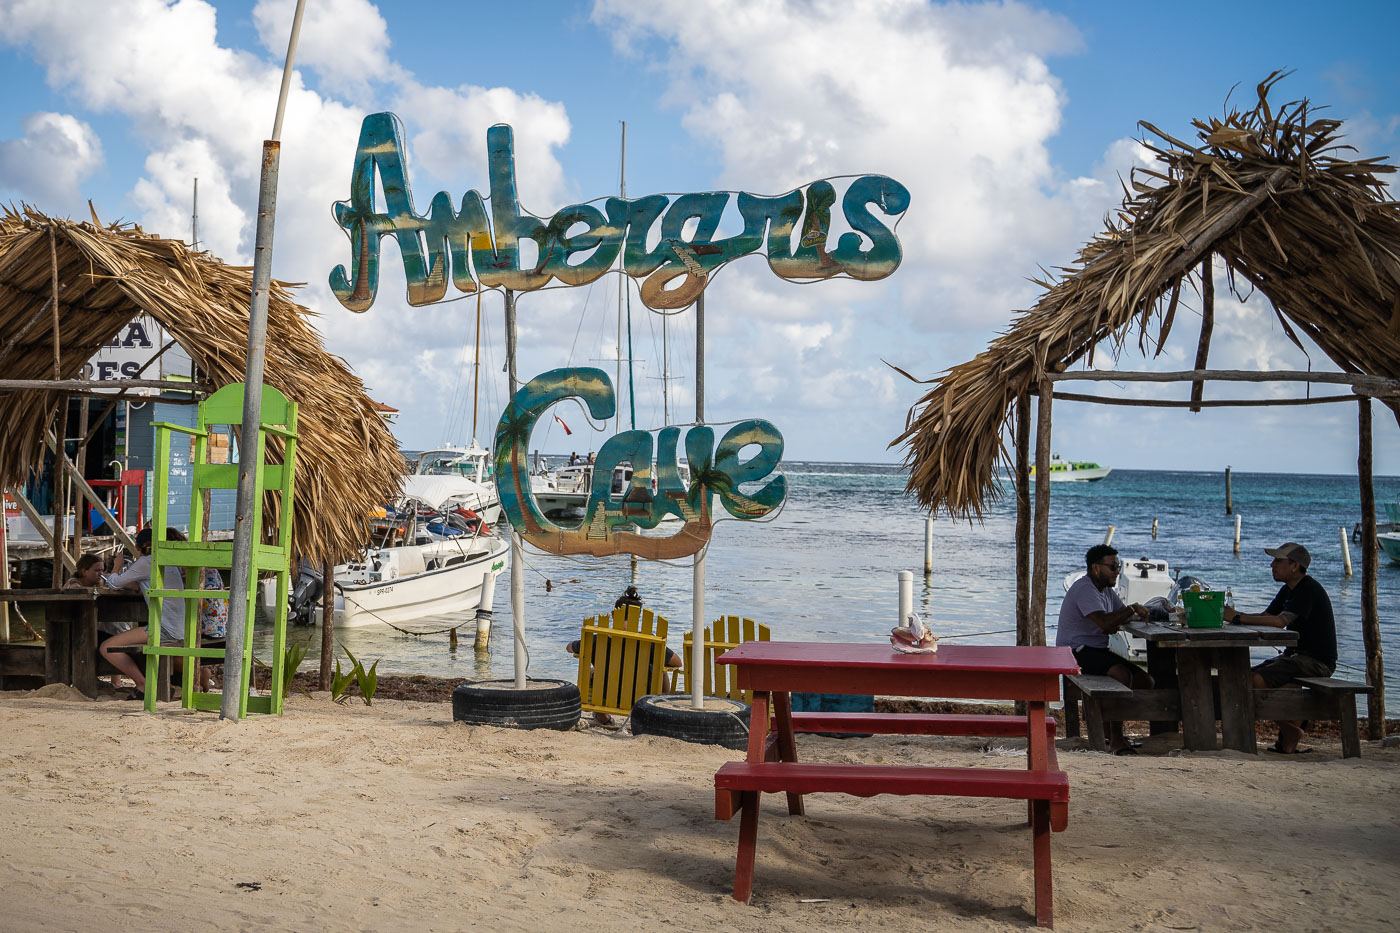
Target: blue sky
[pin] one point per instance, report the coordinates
(1010, 123)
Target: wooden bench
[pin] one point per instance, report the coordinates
(1105, 699)
(972, 724)
(1325, 698)
(1090, 690)
(1046, 791)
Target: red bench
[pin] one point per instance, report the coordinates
(917, 723)
(1046, 791)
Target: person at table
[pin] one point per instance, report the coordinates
(89, 573)
(1090, 613)
(137, 577)
(1303, 606)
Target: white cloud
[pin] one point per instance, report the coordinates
(345, 41)
(50, 162)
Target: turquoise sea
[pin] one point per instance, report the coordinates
(825, 568)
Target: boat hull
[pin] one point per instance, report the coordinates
(438, 589)
(1390, 543)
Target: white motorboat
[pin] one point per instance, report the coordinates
(399, 584)
(568, 489)
(456, 477)
(1071, 471)
(1138, 581)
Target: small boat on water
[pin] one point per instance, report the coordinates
(1070, 471)
(460, 473)
(399, 584)
(1390, 543)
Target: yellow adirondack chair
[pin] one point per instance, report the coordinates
(621, 657)
(729, 632)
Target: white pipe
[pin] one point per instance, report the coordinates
(906, 595)
(287, 70)
(1108, 538)
(697, 635)
(483, 611)
(1346, 551)
(517, 606)
(1239, 517)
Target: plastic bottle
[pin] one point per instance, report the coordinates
(1229, 598)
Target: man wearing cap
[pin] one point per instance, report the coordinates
(1302, 606)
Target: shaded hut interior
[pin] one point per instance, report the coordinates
(1271, 194)
(68, 288)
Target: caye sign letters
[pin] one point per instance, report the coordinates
(580, 243)
(715, 471)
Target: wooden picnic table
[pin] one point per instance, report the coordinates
(773, 670)
(1191, 653)
(70, 632)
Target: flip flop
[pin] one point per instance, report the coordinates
(1126, 750)
(1279, 751)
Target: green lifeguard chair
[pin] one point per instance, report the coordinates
(272, 536)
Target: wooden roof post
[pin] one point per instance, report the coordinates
(80, 461)
(53, 273)
(1207, 325)
(1023, 518)
(1370, 567)
(60, 488)
(1042, 511)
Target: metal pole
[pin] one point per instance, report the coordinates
(697, 609)
(622, 274)
(243, 582)
(517, 547)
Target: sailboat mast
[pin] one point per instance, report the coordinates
(476, 366)
(665, 373)
(194, 217)
(622, 274)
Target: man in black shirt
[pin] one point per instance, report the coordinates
(1302, 606)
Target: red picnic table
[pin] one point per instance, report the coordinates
(773, 670)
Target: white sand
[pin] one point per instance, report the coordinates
(395, 818)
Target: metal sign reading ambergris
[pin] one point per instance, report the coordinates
(714, 471)
(580, 242)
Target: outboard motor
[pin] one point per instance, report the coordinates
(305, 597)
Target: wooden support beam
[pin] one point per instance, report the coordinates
(60, 498)
(1023, 519)
(1360, 383)
(1041, 570)
(53, 269)
(1370, 567)
(1209, 403)
(78, 385)
(1207, 326)
(37, 521)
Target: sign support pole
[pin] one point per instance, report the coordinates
(517, 549)
(697, 598)
(241, 584)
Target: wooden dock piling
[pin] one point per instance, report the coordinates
(1229, 506)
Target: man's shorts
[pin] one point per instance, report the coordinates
(1096, 660)
(1285, 668)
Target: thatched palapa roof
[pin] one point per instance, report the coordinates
(347, 461)
(1273, 194)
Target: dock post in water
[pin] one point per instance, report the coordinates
(483, 611)
(1229, 506)
(1154, 529)
(1346, 551)
(1108, 538)
(928, 546)
(1238, 519)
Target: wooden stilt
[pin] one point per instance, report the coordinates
(327, 624)
(1042, 514)
(1370, 567)
(1023, 519)
(60, 497)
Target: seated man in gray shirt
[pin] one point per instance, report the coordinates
(1090, 613)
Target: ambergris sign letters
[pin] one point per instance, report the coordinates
(581, 242)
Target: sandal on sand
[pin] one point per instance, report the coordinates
(1278, 750)
(137, 695)
(1126, 750)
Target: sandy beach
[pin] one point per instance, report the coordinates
(393, 817)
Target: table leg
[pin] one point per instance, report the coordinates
(1236, 699)
(1197, 701)
(1161, 666)
(58, 640)
(1035, 717)
(1044, 889)
(84, 646)
(748, 818)
(787, 743)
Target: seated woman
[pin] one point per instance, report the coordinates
(89, 574)
(629, 597)
(172, 612)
